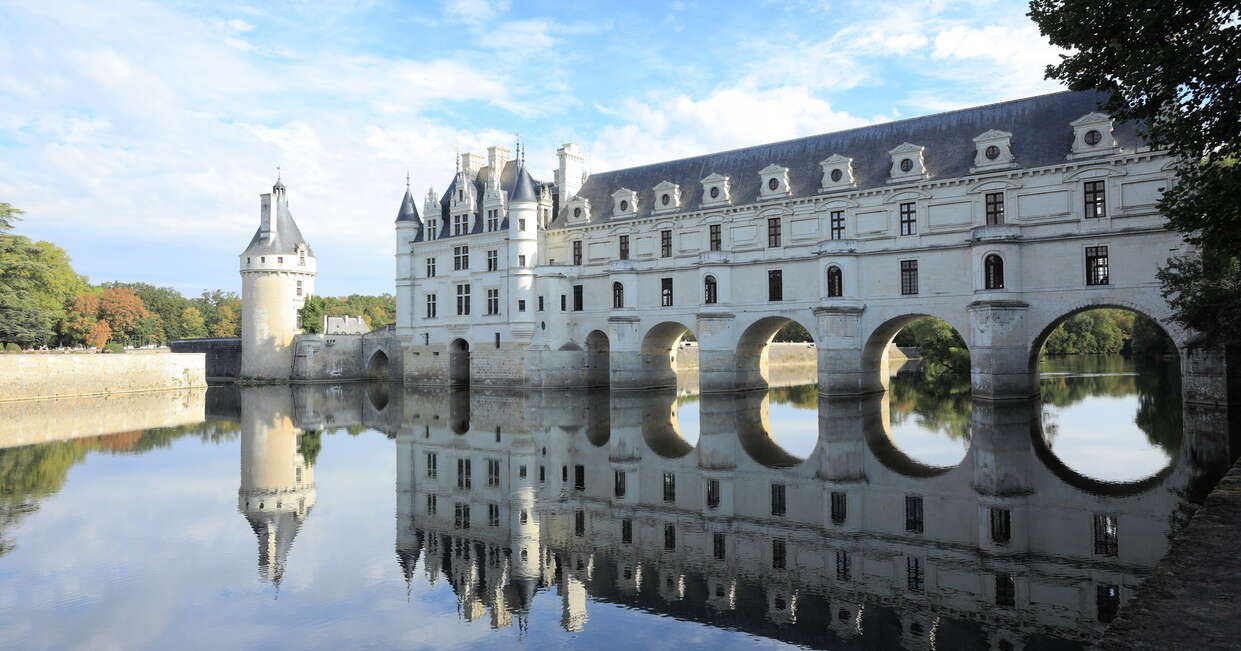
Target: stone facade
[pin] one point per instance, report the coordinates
(1003, 220)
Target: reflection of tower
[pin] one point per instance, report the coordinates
(277, 481)
(277, 274)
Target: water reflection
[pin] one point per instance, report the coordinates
(776, 514)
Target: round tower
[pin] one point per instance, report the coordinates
(277, 274)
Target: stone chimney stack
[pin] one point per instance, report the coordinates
(572, 171)
(496, 158)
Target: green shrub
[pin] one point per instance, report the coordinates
(12, 348)
(114, 347)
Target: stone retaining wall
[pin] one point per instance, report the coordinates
(57, 419)
(223, 355)
(32, 377)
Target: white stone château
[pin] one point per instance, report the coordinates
(1003, 220)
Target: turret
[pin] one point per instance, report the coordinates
(523, 228)
(409, 229)
(277, 274)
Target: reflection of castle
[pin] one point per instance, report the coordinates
(277, 484)
(506, 495)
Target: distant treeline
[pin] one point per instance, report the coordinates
(377, 311)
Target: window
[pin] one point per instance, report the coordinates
(993, 272)
(913, 513)
(493, 472)
(299, 288)
(626, 531)
(461, 516)
(463, 300)
(432, 229)
(521, 224)
(773, 184)
(540, 303)
(842, 566)
(460, 224)
(432, 504)
(778, 503)
(430, 267)
(460, 257)
(670, 537)
(521, 305)
(624, 247)
(430, 306)
(563, 303)
(773, 231)
(778, 553)
(579, 477)
(463, 473)
(909, 277)
(579, 524)
(994, 202)
(1092, 137)
(665, 292)
(1001, 526)
(1106, 535)
(620, 483)
(1096, 265)
(838, 224)
(521, 261)
(493, 515)
(577, 298)
(835, 282)
(577, 252)
(914, 578)
(493, 260)
(839, 507)
(713, 493)
(665, 244)
(618, 296)
(1096, 202)
(775, 285)
(493, 219)
(525, 517)
(909, 219)
(670, 487)
(564, 474)
(1107, 601)
(280, 259)
(542, 474)
(906, 164)
(710, 291)
(493, 301)
(720, 545)
(432, 465)
(521, 472)
(713, 236)
(1005, 589)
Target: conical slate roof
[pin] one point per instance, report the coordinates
(408, 212)
(287, 237)
(523, 188)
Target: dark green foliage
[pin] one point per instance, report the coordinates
(793, 332)
(308, 445)
(26, 326)
(312, 313)
(377, 311)
(940, 399)
(12, 348)
(1174, 68)
(114, 347)
(943, 350)
(805, 396)
(8, 215)
(1106, 332)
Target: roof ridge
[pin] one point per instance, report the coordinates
(850, 129)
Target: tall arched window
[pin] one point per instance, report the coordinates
(993, 271)
(710, 291)
(618, 296)
(835, 282)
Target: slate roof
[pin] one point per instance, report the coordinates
(1041, 136)
(508, 183)
(288, 236)
(407, 212)
(523, 187)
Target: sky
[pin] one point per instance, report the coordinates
(138, 135)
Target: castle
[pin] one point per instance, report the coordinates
(1002, 220)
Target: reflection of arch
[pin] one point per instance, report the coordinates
(1089, 484)
(1036, 345)
(598, 418)
(754, 432)
(459, 411)
(598, 364)
(879, 440)
(660, 428)
(752, 372)
(377, 394)
(377, 366)
(459, 363)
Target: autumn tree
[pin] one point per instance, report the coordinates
(124, 312)
(192, 323)
(99, 334)
(226, 323)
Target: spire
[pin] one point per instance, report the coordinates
(408, 212)
(523, 187)
(279, 186)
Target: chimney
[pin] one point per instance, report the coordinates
(496, 158)
(572, 171)
(267, 218)
(470, 164)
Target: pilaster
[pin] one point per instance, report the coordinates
(999, 353)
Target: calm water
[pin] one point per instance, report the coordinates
(363, 516)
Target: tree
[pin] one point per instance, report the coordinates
(8, 215)
(166, 302)
(226, 323)
(1173, 68)
(99, 334)
(192, 323)
(36, 281)
(312, 313)
(124, 312)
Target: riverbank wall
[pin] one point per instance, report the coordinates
(36, 377)
(223, 355)
(28, 422)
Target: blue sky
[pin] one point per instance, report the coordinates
(138, 135)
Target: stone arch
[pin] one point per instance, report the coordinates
(377, 365)
(752, 350)
(661, 429)
(754, 433)
(598, 359)
(659, 353)
(377, 394)
(1048, 325)
(1090, 485)
(459, 363)
(875, 350)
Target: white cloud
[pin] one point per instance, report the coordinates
(239, 25)
(474, 12)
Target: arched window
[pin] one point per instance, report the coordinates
(835, 282)
(710, 291)
(993, 271)
(618, 296)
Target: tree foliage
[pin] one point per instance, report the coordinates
(376, 311)
(1175, 69)
(8, 215)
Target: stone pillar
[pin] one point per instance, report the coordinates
(999, 351)
(844, 369)
(719, 448)
(628, 366)
(718, 368)
(842, 454)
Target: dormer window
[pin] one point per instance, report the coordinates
(993, 151)
(578, 211)
(837, 172)
(667, 197)
(775, 181)
(625, 203)
(1092, 136)
(715, 190)
(907, 163)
